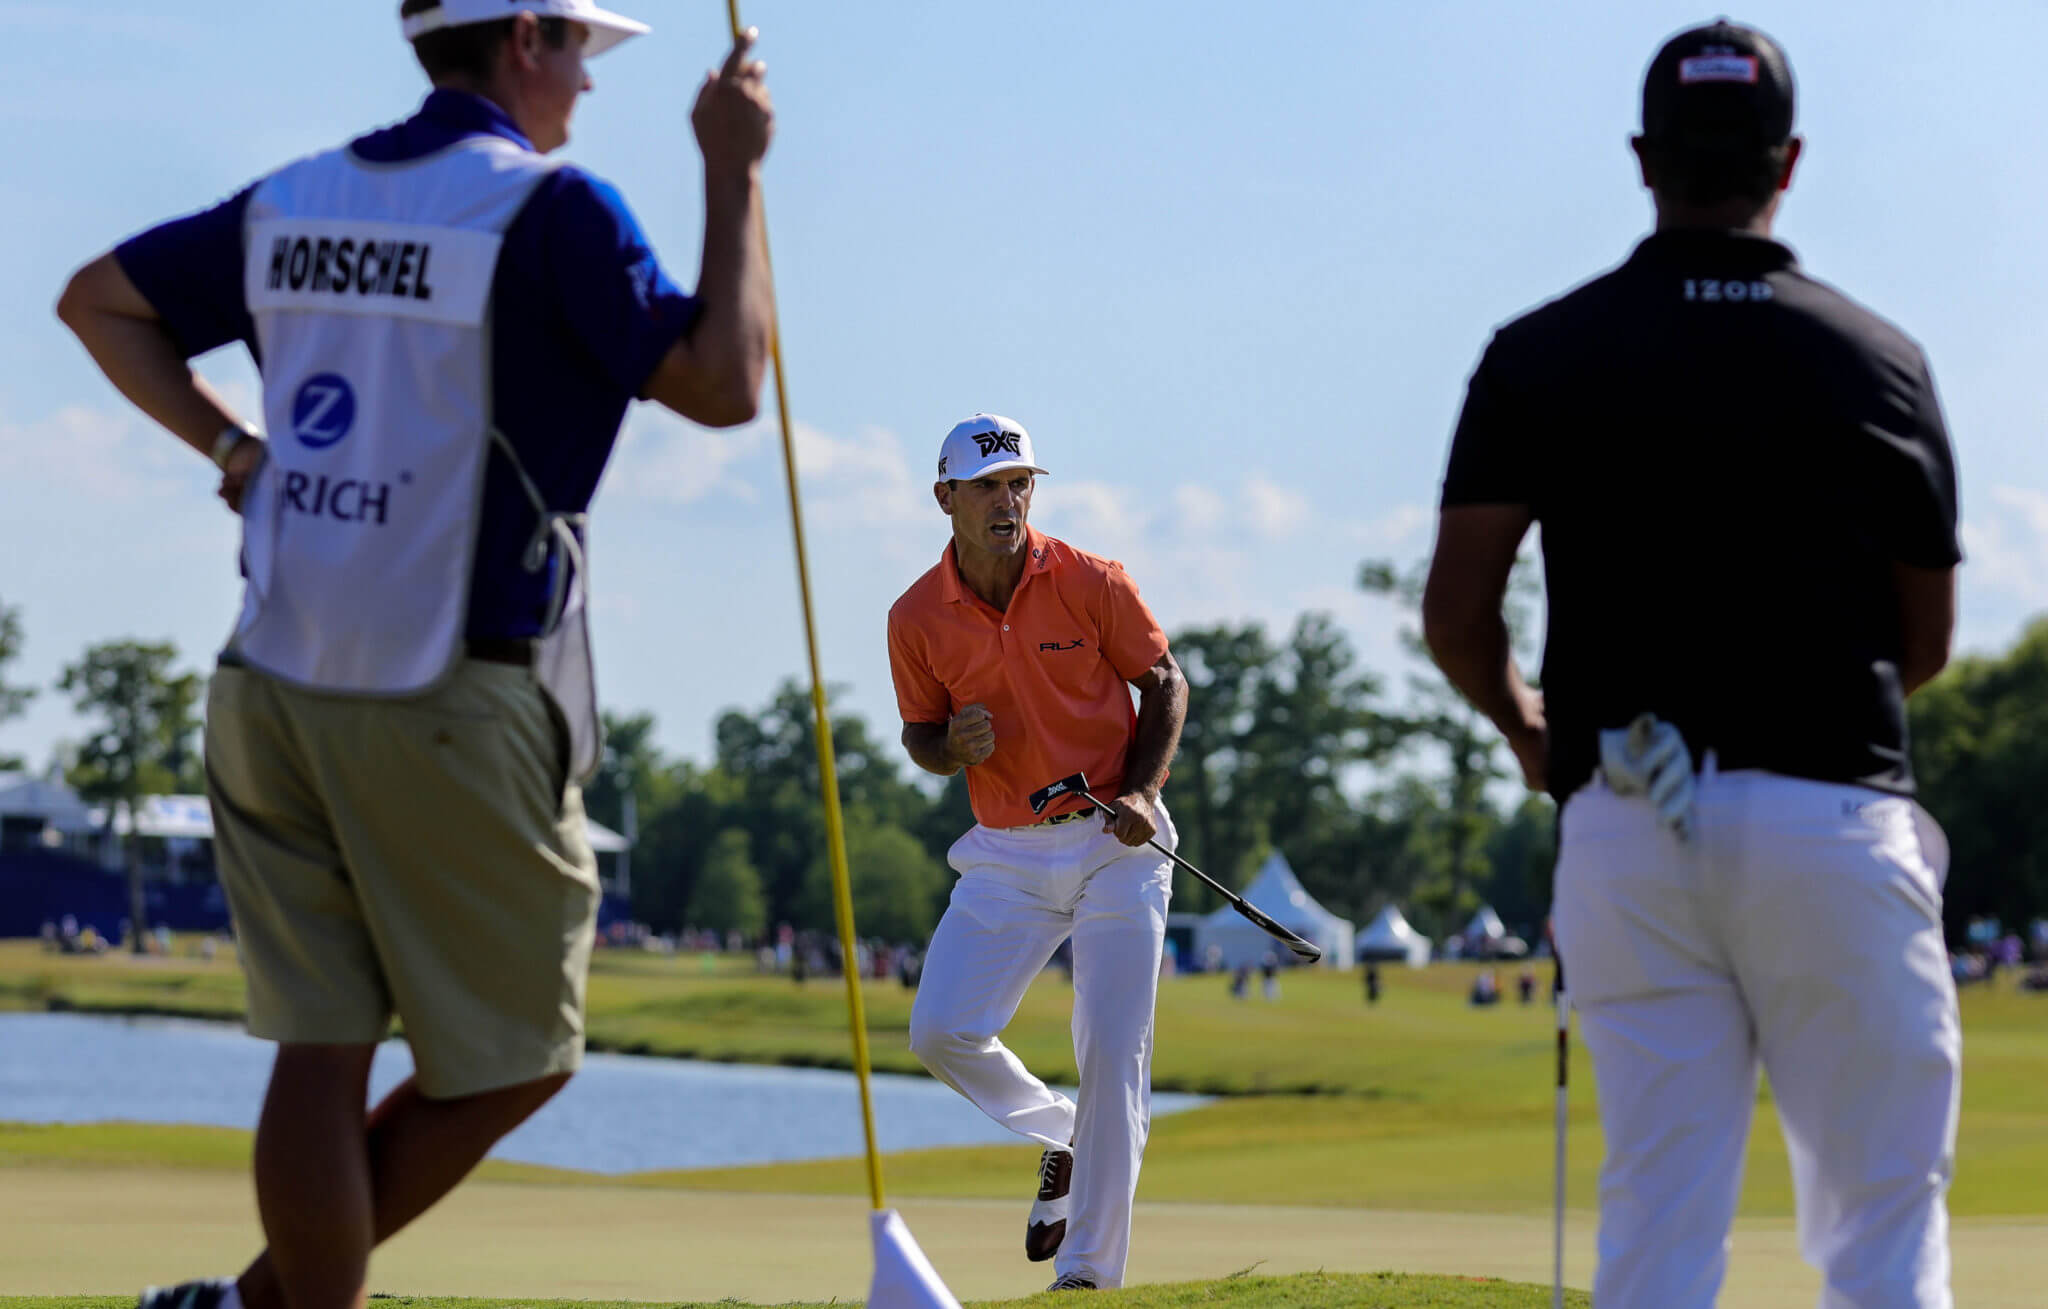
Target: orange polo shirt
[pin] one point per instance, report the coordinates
(1054, 670)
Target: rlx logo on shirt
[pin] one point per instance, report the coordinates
(1054, 647)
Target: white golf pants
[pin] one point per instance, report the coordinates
(1021, 892)
(1801, 925)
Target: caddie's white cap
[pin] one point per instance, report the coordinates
(984, 444)
(607, 29)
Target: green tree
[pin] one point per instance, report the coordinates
(899, 889)
(946, 818)
(631, 763)
(13, 699)
(772, 757)
(1313, 719)
(1521, 857)
(1439, 719)
(1271, 733)
(1980, 755)
(1223, 666)
(675, 841)
(145, 741)
(1401, 836)
(727, 895)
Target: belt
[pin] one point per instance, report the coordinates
(518, 650)
(1057, 819)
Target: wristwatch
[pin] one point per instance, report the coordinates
(230, 437)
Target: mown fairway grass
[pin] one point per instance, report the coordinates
(1421, 1103)
(1307, 1291)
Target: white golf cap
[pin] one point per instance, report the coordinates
(607, 29)
(984, 444)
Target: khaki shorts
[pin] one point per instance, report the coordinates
(425, 856)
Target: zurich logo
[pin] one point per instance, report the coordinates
(323, 411)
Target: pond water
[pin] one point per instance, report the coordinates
(621, 1114)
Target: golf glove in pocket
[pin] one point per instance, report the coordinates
(1649, 757)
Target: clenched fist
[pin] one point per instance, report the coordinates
(970, 735)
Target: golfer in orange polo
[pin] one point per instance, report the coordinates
(1014, 659)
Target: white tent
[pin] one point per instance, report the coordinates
(1277, 892)
(178, 817)
(27, 799)
(1390, 937)
(603, 839)
(1486, 937)
(1485, 926)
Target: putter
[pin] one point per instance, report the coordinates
(1564, 1029)
(1078, 785)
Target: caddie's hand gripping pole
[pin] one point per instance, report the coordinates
(828, 775)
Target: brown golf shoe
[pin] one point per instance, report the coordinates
(1048, 1225)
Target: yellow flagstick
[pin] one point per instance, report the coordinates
(828, 775)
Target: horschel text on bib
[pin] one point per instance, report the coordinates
(405, 270)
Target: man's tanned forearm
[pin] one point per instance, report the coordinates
(1475, 658)
(129, 342)
(926, 743)
(1162, 711)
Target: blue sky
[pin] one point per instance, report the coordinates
(1230, 270)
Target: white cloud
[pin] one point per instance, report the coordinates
(664, 460)
(1403, 528)
(1198, 508)
(108, 457)
(2005, 548)
(864, 480)
(1275, 512)
(1100, 518)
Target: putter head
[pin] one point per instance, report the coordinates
(1304, 949)
(1045, 795)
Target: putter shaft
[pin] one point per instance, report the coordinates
(1237, 902)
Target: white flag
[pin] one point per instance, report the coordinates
(904, 1278)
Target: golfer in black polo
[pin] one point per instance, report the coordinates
(1748, 514)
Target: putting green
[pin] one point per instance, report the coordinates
(1304, 1291)
(1424, 1149)
(83, 1229)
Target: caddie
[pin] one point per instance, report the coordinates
(1748, 508)
(1014, 658)
(450, 326)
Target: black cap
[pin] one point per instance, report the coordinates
(1722, 88)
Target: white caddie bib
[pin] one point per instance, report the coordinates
(370, 286)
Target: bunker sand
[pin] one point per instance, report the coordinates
(73, 1230)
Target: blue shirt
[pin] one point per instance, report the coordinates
(581, 313)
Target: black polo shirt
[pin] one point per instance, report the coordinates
(1725, 457)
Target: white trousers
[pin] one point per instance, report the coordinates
(1021, 892)
(1801, 926)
